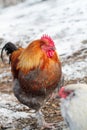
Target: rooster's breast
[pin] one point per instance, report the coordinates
(40, 81)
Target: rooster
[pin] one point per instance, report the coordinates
(74, 105)
(36, 72)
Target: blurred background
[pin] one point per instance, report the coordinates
(22, 21)
(5, 3)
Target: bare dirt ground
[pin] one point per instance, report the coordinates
(15, 116)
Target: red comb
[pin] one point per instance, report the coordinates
(48, 38)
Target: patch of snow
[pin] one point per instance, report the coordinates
(6, 74)
(7, 104)
(75, 70)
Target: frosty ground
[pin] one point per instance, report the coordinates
(66, 23)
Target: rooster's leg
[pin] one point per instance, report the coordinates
(41, 121)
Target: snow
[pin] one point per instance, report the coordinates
(77, 71)
(64, 21)
(7, 104)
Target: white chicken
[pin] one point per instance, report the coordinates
(74, 105)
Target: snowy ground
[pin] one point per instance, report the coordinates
(64, 21)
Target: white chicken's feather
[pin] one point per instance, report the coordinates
(74, 107)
